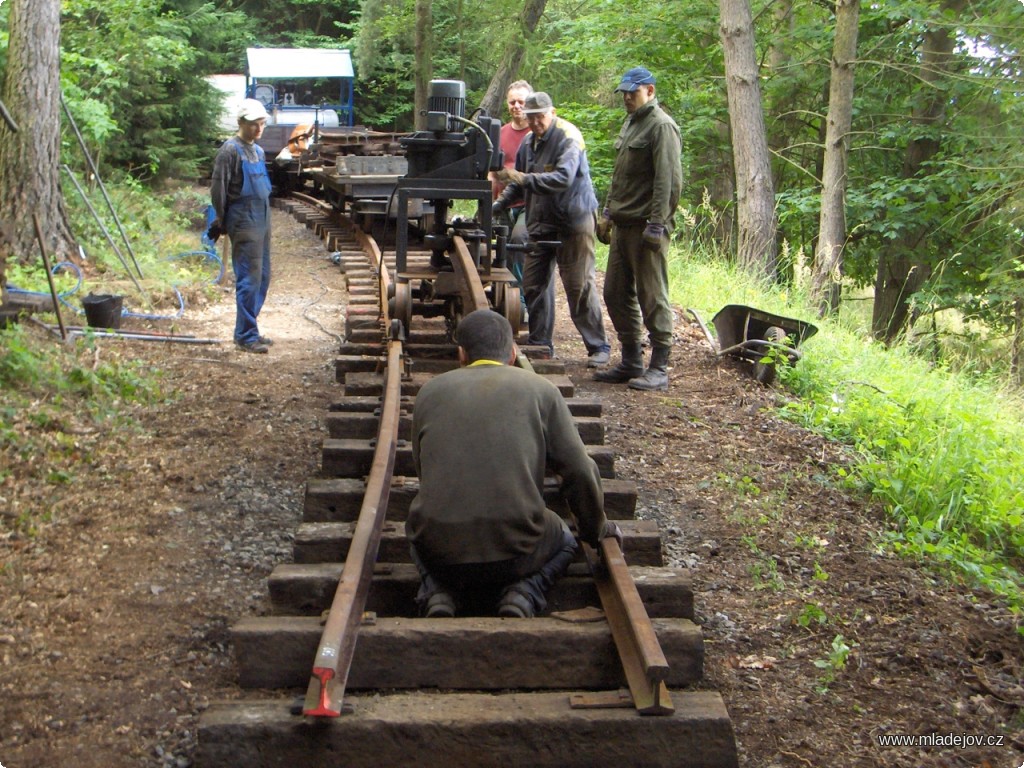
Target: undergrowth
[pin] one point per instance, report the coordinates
(58, 403)
(940, 449)
(153, 253)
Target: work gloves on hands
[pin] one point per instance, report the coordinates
(604, 227)
(613, 530)
(653, 233)
(214, 232)
(510, 176)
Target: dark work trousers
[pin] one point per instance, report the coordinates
(516, 257)
(636, 287)
(575, 262)
(475, 583)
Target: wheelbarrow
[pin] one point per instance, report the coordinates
(756, 336)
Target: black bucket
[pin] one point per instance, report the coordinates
(103, 310)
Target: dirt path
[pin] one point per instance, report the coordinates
(114, 617)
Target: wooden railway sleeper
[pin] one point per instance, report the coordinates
(643, 661)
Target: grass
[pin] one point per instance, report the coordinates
(163, 231)
(56, 401)
(939, 448)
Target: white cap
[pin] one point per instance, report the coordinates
(252, 110)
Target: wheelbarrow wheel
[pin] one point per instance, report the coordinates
(765, 372)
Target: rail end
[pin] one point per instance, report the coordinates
(318, 697)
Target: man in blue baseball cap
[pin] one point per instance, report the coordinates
(636, 222)
(633, 79)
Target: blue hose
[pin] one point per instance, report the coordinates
(209, 253)
(55, 270)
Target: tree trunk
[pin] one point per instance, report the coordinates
(460, 21)
(828, 261)
(778, 55)
(755, 194)
(30, 157)
(508, 67)
(424, 55)
(901, 272)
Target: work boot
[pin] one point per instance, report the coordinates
(631, 366)
(655, 378)
(515, 605)
(257, 346)
(441, 605)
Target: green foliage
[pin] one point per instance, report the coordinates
(812, 613)
(936, 448)
(939, 449)
(601, 125)
(585, 49)
(765, 574)
(30, 369)
(161, 228)
(834, 663)
(820, 574)
(942, 192)
(132, 73)
(57, 400)
(5, 11)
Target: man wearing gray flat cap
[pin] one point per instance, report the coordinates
(636, 222)
(552, 174)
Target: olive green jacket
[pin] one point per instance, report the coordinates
(647, 177)
(482, 439)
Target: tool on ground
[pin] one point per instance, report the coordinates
(756, 336)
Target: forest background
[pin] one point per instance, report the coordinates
(896, 125)
(926, 167)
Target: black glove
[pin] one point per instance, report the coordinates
(496, 209)
(214, 232)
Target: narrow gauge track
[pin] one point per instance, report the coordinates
(576, 687)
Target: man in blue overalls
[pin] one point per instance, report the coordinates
(240, 194)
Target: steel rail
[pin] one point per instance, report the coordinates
(325, 207)
(367, 243)
(373, 253)
(326, 692)
(470, 286)
(642, 659)
(640, 653)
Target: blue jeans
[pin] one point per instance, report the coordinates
(480, 585)
(248, 226)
